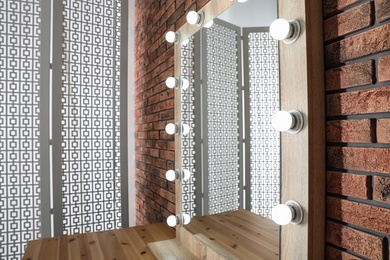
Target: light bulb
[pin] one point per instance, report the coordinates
(283, 121)
(280, 29)
(282, 214)
(170, 128)
(186, 219)
(192, 17)
(172, 221)
(185, 129)
(195, 18)
(171, 82)
(184, 83)
(171, 37)
(170, 175)
(185, 174)
(242, 1)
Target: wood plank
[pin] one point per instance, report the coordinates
(50, 248)
(303, 154)
(170, 249)
(241, 233)
(216, 247)
(32, 249)
(124, 243)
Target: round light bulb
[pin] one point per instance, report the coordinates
(185, 129)
(186, 219)
(282, 214)
(170, 175)
(184, 83)
(170, 37)
(186, 174)
(171, 82)
(193, 17)
(172, 221)
(280, 29)
(170, 128)
(283, 121)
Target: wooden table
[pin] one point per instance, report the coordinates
(124, 243)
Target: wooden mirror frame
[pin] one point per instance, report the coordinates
(303, 154)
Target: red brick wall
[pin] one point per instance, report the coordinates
(357, 63)
(154, 155)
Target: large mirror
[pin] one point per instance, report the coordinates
(238, 78)
(232, 151)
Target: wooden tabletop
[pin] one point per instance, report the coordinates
(241, 233)
(124, 243)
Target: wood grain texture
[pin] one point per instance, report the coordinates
(170, 249)
(303, 154)
(124, 243)
(237, 235)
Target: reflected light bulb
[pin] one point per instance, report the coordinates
(185, 129)
(209, 24)
(282, 214)
(171, 82)
(170, 37)
(186, 174)
(280, 29)
(184, 83)
(186, 219)
(172, 221)
(170, 175)
(283, 121)
(170, 128)
(185, 42)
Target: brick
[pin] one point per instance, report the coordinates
(383, 130)
(382, 189)
(332, 6)
(354, 240)
(358, 74)
(382, 8)
(361, 159)
(349, 21)
(169, 155)
(363, 44)
(359, 214)
(352, 131)
(336, 254)
(358, 102)
(384, 68)
(347, 184)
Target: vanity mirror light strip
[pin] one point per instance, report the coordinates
(303, 154)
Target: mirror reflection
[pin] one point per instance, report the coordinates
(232, 150)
